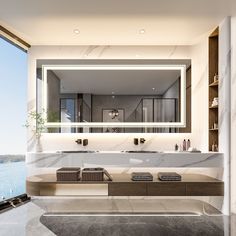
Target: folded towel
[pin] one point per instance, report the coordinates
(169, 176)
(141, 176)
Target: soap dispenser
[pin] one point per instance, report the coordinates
(188, 144)
(184, 145)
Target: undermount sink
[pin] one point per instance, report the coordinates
(90, 151)
(141, 151)
(79, 151)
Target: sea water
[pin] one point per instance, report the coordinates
(12, 179)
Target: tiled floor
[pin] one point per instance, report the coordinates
(25, 220)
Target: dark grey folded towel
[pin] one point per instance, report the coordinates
(169, 176)
(141, 176)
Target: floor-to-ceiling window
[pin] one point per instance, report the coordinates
(13, 109)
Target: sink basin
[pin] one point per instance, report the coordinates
(141, 151)
(79, 151)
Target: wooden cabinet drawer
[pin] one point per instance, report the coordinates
(166, 189)
(127, 189)
(205, 189)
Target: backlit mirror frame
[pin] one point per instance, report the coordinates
(181, 68)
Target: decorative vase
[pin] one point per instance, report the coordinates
(38, 147)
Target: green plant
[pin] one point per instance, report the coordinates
(36, 122)
(53, 116)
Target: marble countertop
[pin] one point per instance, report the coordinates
(118, 159)
(120, 152)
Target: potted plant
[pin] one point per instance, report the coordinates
(36, 122)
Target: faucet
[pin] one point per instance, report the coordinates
(135, 141)
(82, 141)
(141, 140)
(85, 142)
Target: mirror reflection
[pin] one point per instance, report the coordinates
(103, 95)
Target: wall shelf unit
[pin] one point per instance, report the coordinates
(213, 90)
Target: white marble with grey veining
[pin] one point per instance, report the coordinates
(120, 159)
(233, 115)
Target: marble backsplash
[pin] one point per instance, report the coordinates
(198, 55)
(113, 142)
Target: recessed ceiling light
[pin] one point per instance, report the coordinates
(76, 31)
(153, 88)
(142, 31)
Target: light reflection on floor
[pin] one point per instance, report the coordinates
(25, 220)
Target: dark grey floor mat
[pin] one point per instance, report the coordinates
(133, 225)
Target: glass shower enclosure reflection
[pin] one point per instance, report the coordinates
(157, 110)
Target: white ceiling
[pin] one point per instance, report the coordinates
(118, 82)
(112, 22)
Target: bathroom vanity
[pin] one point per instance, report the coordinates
(197, 184)
(87, 102)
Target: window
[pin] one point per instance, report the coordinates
(13, 113)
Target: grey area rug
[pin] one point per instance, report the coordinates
(133, 225)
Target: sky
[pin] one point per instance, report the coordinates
(13, 99)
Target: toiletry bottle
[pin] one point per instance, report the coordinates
(213, 147)
(176, 147)
(180, 148)
(188, 144)
(184, 145)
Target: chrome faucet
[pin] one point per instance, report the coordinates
(82, 141)
(141, 140)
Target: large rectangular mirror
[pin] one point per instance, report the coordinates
(114, 96)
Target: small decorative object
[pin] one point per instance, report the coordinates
(214, 102)
(216, 78)
(215, 126)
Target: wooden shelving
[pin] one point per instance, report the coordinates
(213, 89)
(122, 185)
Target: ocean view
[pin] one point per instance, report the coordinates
(12, 178)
